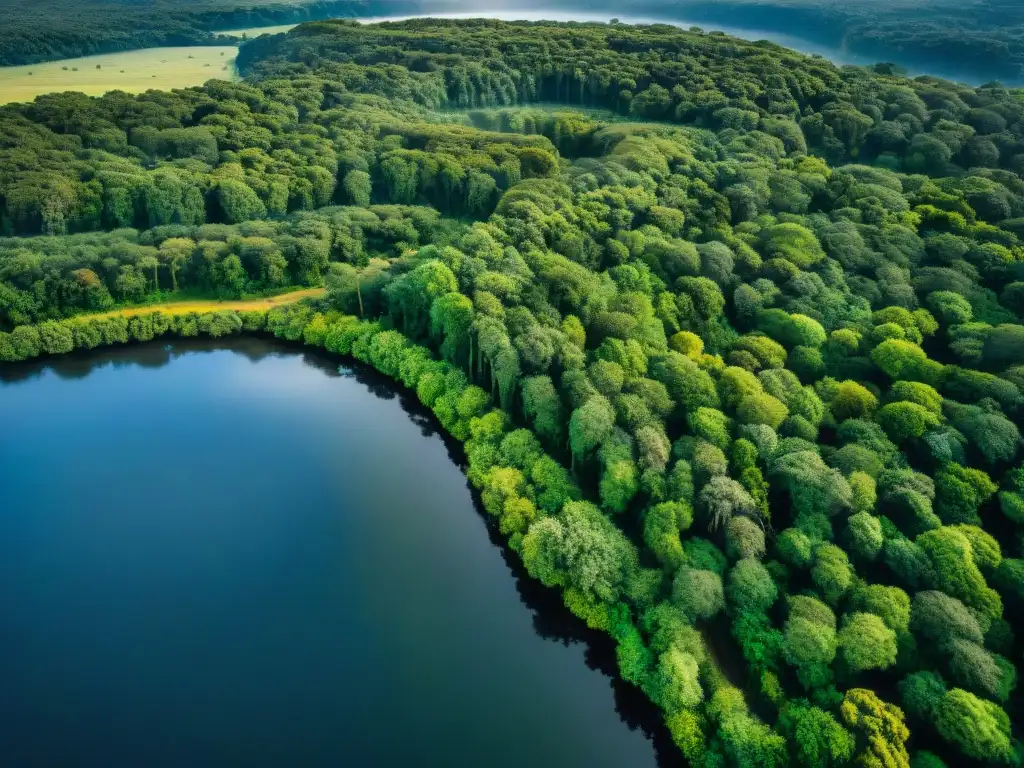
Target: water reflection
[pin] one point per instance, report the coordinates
(550, 619)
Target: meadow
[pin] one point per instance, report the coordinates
(200, 306)
(131, 71)
(251, 32)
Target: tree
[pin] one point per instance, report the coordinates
(581, 549)
(633, 657)
(878, 726)
(918, 393)
(793, 242)
(951, 307)
(712, 425)
(749, 587)
(689, 386)
(812, 486)
(678, 681)
(936, 618)
(358, 187)
(900, 359)
(891, 604)
(662, 525)
(865, 642)
(590, 425)
(831, 572)
(864, 535)
(451, 320)
(761, 408)
(994, 436)
(956, 572)
(721, 499)
(921, 693)
(411, 296)
(55, 338)
(816, 737)
(749, 743)
(744, 539)
(238, 202)
(972, 667)
(960, 492)
(698, 594)
(851, 400)
(552, 484)
(904, 421)
(810, 640)
(543, 410)
(175, 253)
(979, 728)
(791, 330)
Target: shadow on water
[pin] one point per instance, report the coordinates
(551, 619)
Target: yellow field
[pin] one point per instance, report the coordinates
(252, 32)
(131, 71)
(200, 305)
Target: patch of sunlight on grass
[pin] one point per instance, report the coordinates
(131, 71)
(212, 305)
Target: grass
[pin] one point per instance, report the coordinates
(251, 32)
(131, 71)
(211, 305)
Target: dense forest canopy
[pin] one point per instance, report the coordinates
(978, 41)
(734, 337)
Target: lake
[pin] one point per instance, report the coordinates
(234, 553)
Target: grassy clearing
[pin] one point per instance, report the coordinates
(251, 32)
(212, 305)
(131, 71)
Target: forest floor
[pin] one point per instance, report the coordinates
(211, 305)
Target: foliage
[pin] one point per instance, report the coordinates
(751, 360)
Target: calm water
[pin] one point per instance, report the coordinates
(240, 556)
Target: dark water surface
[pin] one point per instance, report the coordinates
(238, 556)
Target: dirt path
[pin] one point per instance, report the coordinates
(211, 305)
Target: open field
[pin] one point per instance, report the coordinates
(252, 32)
(212, 305)
(131, 71)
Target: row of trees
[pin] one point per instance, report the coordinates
(658, 72)
(52, 277)
(231, 153)
(349, 123)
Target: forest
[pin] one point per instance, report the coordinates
(60, 29)
(734, 338)
(977, 41)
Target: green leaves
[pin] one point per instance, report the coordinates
(865, 642)
(980, 728)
